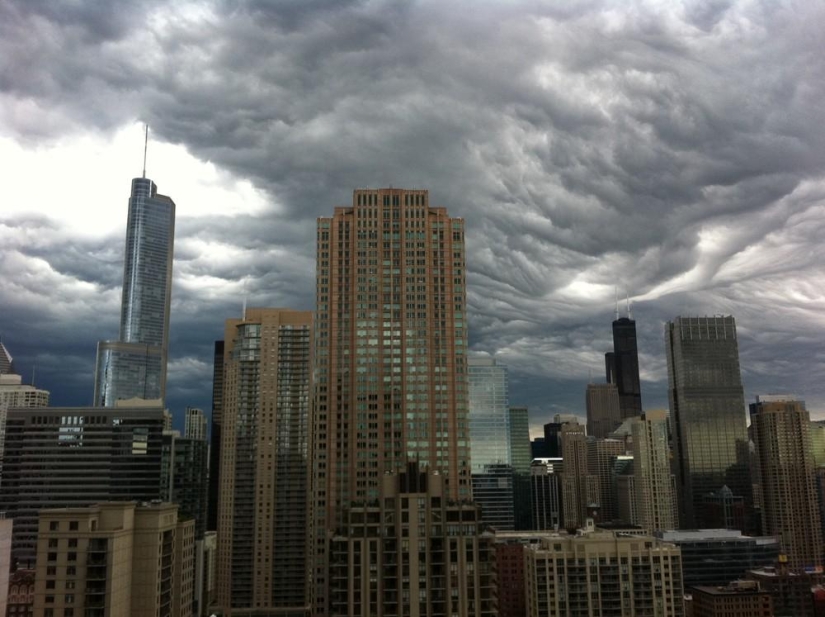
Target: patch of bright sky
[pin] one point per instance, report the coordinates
(84, 181)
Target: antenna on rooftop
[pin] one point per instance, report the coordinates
(145, 147)
(629, 314)
(617, 302)
(244, 300)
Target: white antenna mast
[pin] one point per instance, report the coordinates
(145, 147)
(629, 315)
(617, 302)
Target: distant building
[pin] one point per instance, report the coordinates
(707, 408)
(599, 573)
(794, 593)
(195, 424)
(622, 366)
(521, 458)
(64, 457)
(15, 394)
(134, 366)
(490, 457)
(655, 491)
(737, 599)
(579, 488)
(215, 437)
(545, 484)
(6, 361)
(184, 477)
(601, 458)
(434, 559)
(790, 505)
(603, 412)
(717, 557)
(116, 558)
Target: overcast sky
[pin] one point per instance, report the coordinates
(671, 149)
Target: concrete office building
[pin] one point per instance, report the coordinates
(717, 557)
(707, 409)
(134, 366)
(262, 527)
(116, 559)
(603, 412)
(490, 457)
(601, 459)
(391, 345)
(654, 487)
(414, 551)
(790, 505)
(603, 573)
(59, 457)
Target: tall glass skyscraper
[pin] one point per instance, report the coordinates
(622, 367)
(135, 364)
(490, 456)
(707, 408)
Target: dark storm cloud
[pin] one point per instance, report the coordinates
(672, 150)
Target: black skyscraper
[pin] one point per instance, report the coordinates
(622, 367)
(215, 443)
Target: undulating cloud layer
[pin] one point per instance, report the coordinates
(671, 149)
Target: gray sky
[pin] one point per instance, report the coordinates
(671, 149)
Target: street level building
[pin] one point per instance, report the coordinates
(116, 559)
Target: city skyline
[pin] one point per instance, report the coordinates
(587, 148)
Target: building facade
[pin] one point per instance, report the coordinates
(262, 526)
(490, 456)
(215, 437)
(603, 573)
(655, 490)
(115, 559)
(64, 457)
(391, 349)
(134, 366)
(603, 412)
(521, 456)
(415, 551)
(601, 460)
(195, 424)
(545, 494)
(737, 599)
(184, 479)
(707, 409)
(790, 504)
(580, 493)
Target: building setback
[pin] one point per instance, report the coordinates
(603, 573)
(134, 366)
(115, 559)
(262, 526)
(412, 552)
(59, 457)
(391, 347)
(707, 409)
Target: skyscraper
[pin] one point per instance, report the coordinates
(603, 409)
(194, 424)
(6, 362)
(134, 366)
(622, 366)
(654, 483)
(579, 488)
(262, 524)
(521, 457)
(601, 459)
(490, 458)
(707, 408)
(790, 508)
(391, 347)
(215, 437)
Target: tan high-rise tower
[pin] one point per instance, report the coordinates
(781, 432)
(262, 560)
(655, 493)
(391, 343)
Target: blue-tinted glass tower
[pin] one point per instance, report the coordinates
(135, 365)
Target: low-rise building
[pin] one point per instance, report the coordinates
(737, 599)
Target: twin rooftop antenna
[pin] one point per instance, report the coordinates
(145, 147)
(629, 314)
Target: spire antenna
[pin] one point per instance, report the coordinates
(145, 146)
(616, 289)
(629, 314)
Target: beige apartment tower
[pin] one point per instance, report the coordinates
(115, 559)
(391, 348)
(790, 510)
(603, 573)
(262, 563)
(655, 485)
